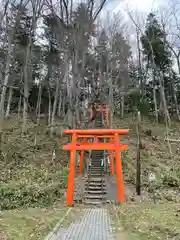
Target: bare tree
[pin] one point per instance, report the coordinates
(36, 8)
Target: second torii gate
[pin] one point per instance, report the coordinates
(113, 146)
(100, 108)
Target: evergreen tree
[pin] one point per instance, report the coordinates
(120, 54)
(154, 44)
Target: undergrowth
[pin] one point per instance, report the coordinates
(154, 214)
(33, 167)
(148, 220)
(155, 157)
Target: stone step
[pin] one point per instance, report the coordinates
(95, 184)
(96, 166)
(93, 202)
(97, 157)
(96, 180)
(92, 176)
(90, 188)
(95, 174)
(96, 171)
(93, 196)
(100, 169)
(99, 184)
(96, 191)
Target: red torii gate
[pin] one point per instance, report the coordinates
(102, 108)
(113, 146)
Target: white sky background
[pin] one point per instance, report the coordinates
(139, 9)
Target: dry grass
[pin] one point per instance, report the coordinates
(30, 180)
(143, 219)
(34, 223)
(148, 221)
(155, 157)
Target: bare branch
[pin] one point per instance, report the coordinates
(99, 9)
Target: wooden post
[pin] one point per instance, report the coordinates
(119, 172)
(72, 164)
(138, 161)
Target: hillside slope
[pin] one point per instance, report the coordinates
(140, 217)
(33, 182)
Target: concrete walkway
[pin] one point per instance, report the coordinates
(94, 225)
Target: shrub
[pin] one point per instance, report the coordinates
(40, 188)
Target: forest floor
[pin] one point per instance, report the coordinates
(33, 181)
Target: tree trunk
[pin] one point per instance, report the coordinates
(155, 104)
(176, 104)
(63, 104)
(9, 102)
(19, 106)
(6, 79)
(59, 104)
(25, 104)
(122, 106)
(154, 95)
(38, 106)
(138, 160)
(54, 107)
(26, 71)
(49, 107)
(139, 61)
(166, 112)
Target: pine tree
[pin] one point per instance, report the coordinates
(154, 44)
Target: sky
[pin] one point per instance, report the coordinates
(139, 5)
(142, 7)
(139, 8)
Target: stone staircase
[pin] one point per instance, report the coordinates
(95, 187)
